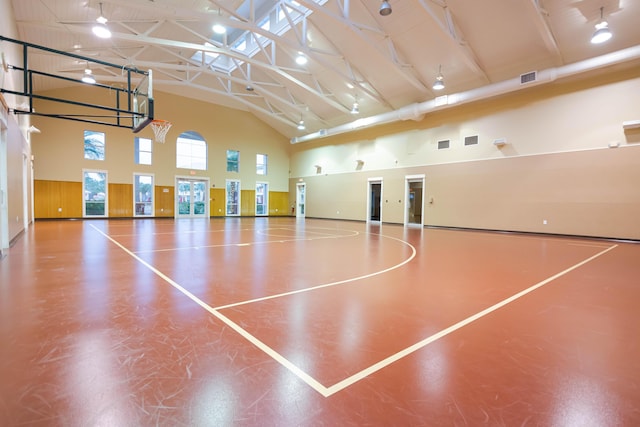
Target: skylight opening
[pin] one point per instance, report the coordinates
(273, 21)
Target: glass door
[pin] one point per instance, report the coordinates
(192, 197)
(262, 198)
(143, 195)
(94, 187)
(233, 197)
(301, 189)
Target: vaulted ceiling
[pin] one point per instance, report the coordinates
(355, 55)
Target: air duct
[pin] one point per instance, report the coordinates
(418, 110)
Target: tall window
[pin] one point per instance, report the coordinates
(94, 145)
(261, 164)
(143, 194)
(191, 151)
(233, 161)
(94, 186)
(143, 151)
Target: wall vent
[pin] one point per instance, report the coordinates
(471, 140)
(443, 144)
(528, 77)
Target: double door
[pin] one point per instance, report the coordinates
(192, 198)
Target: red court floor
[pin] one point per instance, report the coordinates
(282, 322)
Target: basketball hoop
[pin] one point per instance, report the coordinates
(160, 129)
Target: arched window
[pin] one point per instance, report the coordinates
(191, 151)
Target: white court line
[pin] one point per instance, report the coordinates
(417, 346)
(588, 245)
(326, 285)
(312, 382)
(309, 231)
(222, 245)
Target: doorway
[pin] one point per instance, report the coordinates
(262, 198)
(301, 189)
(414, 200)
(374, 200)
(192, 198)
(95, 189)
(232, 197)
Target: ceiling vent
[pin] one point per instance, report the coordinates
(528, 77)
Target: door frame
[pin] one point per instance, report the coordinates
(153, 195)
(226, 197)
(301, 213)
(407, 180)
(370, 182)
(106, 193)
(266, 196)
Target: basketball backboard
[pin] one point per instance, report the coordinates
(143, 103)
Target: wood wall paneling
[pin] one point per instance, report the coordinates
(164, 201)
(120, 200)
(57, 199)
(217, 204)
(247, 202)
(279, 203)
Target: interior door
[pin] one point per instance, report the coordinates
(374, 198)
(192, 197)
(301, 190)
(414, 200)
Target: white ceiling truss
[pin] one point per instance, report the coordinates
(355, 55)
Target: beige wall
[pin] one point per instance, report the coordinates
(557, 165)
(15, 150)
(59, 154)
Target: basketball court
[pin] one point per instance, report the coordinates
(282, 321)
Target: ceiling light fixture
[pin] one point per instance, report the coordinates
(100, 29)
(219, 29)
(301, 59)
(439, 83)
(602, 33)
(385, 8)
(301, 125)
(355, 109)
(88, 76)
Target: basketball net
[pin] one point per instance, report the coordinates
(160, 129)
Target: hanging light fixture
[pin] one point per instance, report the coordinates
(88, 76)
(602, 33)
(301, 125)
(100, 29)
(385, 8)
(439, 83)
(355, 109)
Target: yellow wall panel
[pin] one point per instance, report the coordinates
(217, 204)
(279, 203)
(120, 200)
(247, 202)
(164, 201)
(57, 199)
